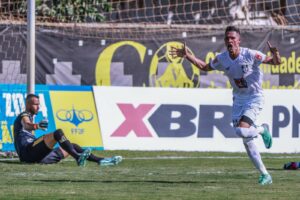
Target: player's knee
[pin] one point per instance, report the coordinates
(58, 135)
(239, 131)
(244, 132)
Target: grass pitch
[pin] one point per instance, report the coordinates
(150, 176)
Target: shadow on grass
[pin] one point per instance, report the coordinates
(276, 169)
(15, 162)
(116, 181)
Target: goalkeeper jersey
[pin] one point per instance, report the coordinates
(22, 137)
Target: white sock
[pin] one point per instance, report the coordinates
(250, 132)
(260, 129)
(254, 155)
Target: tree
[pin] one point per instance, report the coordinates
(69, 10)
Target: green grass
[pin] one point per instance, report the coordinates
(150, 176)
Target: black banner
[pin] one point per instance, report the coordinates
(74, 60)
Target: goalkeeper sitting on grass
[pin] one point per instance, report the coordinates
(41, 150)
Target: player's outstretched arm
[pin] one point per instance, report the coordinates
(29, 126)
(185, 53)
(275, 58)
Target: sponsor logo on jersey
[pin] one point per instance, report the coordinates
(258, 57)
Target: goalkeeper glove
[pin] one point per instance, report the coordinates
(43, 124)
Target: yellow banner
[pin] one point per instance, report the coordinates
(75, 113)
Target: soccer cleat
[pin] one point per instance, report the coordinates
(81, 161)
(110, 161)
(291, 165)
(265, 179)
(266, 136)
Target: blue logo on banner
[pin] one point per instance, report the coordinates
(75, 117)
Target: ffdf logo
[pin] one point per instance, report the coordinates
(74, 116)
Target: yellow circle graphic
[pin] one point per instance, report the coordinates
(166, 71)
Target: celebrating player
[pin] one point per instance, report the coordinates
(41, 150)
(241, 66)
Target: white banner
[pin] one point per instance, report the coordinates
(181, 119)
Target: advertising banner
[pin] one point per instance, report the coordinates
(190, 119)
(76, 60)
(70, 108)
(12, 103)
(75, 113)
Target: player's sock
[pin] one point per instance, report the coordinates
(250, 132)
(260, 129)
(92, 157)
(254, 155)
(68, 147)
(65, 143)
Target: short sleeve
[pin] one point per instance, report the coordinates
(24, 114)
(258, 56)
(215, 63)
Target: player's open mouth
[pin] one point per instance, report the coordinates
(229, 47)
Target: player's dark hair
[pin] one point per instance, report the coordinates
(29, 96)
(232, 29)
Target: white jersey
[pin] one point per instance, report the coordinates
(243, 72)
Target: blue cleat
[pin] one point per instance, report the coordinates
(266, 136)
(81, 162)
(110, 161)
(265, 179)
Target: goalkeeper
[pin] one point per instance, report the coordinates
(41, 150)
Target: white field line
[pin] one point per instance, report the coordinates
(183, 157)
(207, 157)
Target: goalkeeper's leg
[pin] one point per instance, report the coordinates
(100, 160)
(59, 136)
(92, 157)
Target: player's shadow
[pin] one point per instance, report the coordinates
(276, 169)
(109, 181)
(8, 161)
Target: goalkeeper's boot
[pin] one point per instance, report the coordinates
(110, 161)
(266, 136)
(291, 165)
(265, 179)
(81, 161)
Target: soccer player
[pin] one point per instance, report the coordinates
(241, 66)
(41, 150)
